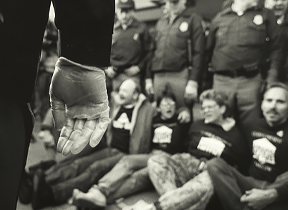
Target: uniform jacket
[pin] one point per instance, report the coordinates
(131, 46)
(244, 42)
(171, 44)
(86, 30)
(141, 129)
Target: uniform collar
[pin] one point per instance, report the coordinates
(185, 13)
(131, 24)
(229, 10)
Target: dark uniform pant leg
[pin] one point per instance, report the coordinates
(177, 81)
(243, 94)
(16, 127)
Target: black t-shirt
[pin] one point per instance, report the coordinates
(169, 134)
(121, 129)
(210, 140)
(269, 148)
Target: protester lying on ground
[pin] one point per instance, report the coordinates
(129, 133)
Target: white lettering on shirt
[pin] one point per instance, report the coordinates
(211, 145)
(264, 151)
(162, 135)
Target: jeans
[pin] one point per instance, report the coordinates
(230, 185)
(16, 128)
(82, 173)
(179, 182)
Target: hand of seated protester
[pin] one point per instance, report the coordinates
(259, 199)
(79, 104)
(133, 70)
(184, 116)
(110, 72)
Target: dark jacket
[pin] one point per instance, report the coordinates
(85, 26)
(141, 129)
(130, 46)
(240, 42)
(171, 44)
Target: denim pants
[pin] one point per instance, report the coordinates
(179, 182)
(82, 173)
(230, 185)
(16, 123)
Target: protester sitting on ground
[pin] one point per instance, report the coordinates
(266, 187)
(181, 180)
(129, 132)
(130, 174)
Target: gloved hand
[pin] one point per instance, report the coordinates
(110, 72)
(149, 86)
(133, 70)
(79, 104)
(191, 91)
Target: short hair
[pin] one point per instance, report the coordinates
(219, 97)
(166, 93)
(276, 84)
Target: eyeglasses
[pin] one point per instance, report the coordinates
(170, 104)
(209, 108)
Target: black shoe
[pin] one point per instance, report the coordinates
(25, 188)
(42, 192)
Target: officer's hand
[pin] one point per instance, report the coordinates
(184, 116)
(133, 70)
(110, 72)
(149, 87)
(191, 91)
(79, 105)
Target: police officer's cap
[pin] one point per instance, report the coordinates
(126, 4)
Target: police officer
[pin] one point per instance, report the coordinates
(280, 9)
(130, 46)
(241, 36)
(178, 52)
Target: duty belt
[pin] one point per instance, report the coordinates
(238, 73)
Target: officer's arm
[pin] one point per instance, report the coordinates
(281, 186)
(275, 47)
(146, 49)
(211, 39)
(197, 47)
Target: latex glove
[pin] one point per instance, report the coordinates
(259, 199)
(133, 70)
(191, 91)
(149, 86)
(184, 116)
(79, 105)
(110, 72)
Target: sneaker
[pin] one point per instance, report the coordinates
(93, 199)
(42, 192)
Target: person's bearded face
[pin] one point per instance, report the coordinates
(275, 106)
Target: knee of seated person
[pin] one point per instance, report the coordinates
(215, 165)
